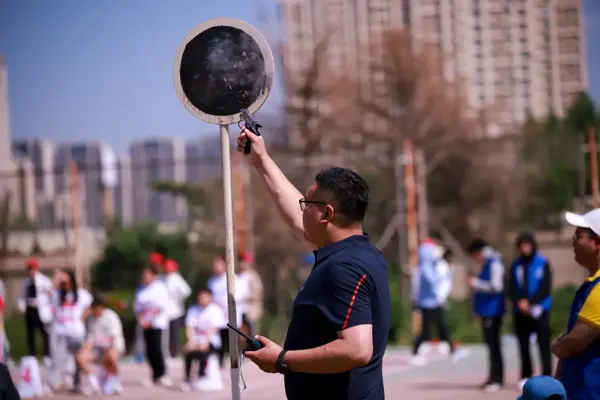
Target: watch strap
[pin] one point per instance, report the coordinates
(280, 365)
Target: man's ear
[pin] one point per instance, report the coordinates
(327, 214)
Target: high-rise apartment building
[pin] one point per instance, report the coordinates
(41, 154)
(152, 160)
(5, 156)
(97, 179)
(124, 192)
(13, 176)
(203, 159)
(518, 57)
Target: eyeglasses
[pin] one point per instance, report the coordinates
(305, 202)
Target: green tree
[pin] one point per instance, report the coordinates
(197, 198)
(126, 253)
(551, 156)
(582, 114)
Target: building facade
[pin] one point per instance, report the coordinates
(92, 183)
(517, 57)
(153, 160)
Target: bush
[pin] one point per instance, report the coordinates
(14, 324)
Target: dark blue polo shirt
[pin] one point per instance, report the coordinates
(347, 286)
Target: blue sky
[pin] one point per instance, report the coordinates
(88, 70)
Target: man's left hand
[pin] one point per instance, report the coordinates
(266, 357)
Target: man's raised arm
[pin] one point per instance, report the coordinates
(284, 193)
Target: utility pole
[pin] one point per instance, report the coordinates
(593, 166)
(422, 205)
(238, 206)
(411, 203)
(74, 186)
(582, 186)
(400, 211)
(411, 217)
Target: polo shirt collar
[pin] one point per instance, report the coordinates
(355, 240)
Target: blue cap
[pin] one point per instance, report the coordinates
(542, 387)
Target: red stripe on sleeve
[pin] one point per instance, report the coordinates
(360, 281)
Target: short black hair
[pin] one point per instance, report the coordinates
(448, 254)
(435, 235)
(476, 246)
(98, 301)
(591, 234)
(348, 189)
(205, 289)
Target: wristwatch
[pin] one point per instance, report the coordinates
(280, 365)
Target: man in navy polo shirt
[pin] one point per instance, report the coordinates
(341, 316)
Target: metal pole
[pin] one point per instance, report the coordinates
(582, 174)
(594, 167)
(400, 211)
(230, 260)
(411, 212)
(423, 208)
(411, 219)
(74, 178)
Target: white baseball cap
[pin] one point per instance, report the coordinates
(590, 220)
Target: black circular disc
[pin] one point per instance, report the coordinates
(222, 71)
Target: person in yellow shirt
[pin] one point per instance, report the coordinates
(590, 311)
(578, 350)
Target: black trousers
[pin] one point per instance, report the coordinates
(491, 334)
(429, 318)
(8, 390)
(154, 352)
(224, 349)
(33, 323)
(175, 326)
(201, 357)
(524, 327)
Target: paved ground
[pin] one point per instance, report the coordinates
(439, 379)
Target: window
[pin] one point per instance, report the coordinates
(567, 17)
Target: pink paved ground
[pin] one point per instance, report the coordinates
(436, 381)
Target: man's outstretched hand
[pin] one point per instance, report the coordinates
(266, 357)
(259, 150)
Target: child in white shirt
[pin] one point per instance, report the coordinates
(217, 284)
(68, 327)
(151, 307)
(105, 344)
(202, 323)
(179, 291)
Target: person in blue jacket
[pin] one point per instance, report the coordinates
(531, 294)
(488, 290)
(578, 350)
(432, 283)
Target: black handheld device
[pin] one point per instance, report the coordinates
(252, 125)
(251, 344)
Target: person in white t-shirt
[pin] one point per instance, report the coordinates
(202, 323)
(251, 293)
(217, 284)
(67, 332)
(105, 344)
(179, 291)
(151, 307)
